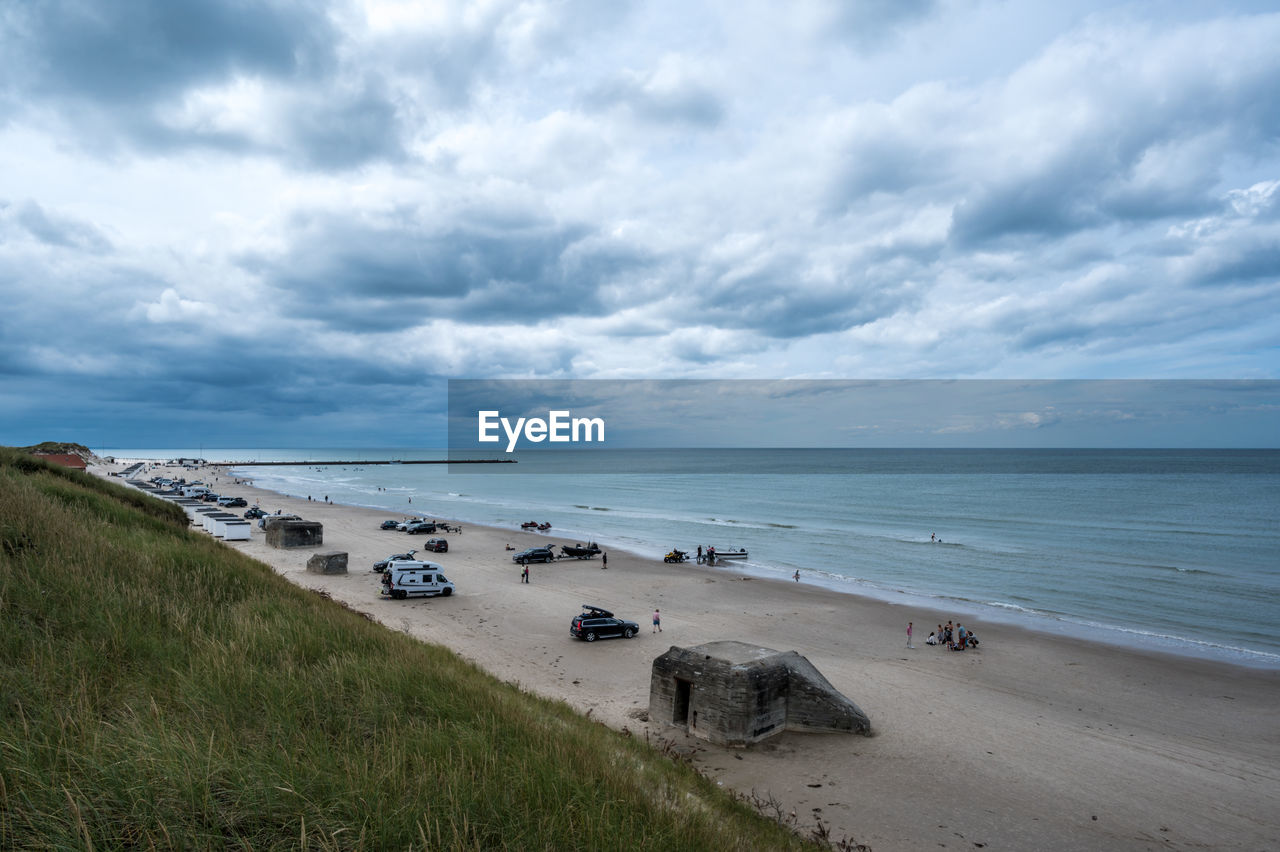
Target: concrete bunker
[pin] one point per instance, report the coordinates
(733, 693)
(294, 533)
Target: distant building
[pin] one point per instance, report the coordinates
(64, 459)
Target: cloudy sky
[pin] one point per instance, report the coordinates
(289, 223)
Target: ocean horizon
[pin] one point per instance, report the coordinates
(1172, 550)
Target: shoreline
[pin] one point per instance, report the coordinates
(1018, 744)
(1037, 623)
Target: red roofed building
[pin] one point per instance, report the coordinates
(64, 459)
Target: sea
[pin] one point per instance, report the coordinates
(1166, 550)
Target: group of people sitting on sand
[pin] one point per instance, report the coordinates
(955, 638)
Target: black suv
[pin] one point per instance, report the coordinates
(535, 554)
(236, 502)
(595, 623)
(382, 564)
(437, 545)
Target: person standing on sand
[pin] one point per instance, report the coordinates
(604, 561)
(524, 573)
(657, 622)
(909, 645)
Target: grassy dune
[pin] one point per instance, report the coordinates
(160, 690)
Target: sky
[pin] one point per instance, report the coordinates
(291, 223)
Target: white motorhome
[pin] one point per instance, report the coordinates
(194, 490)
(409, 578)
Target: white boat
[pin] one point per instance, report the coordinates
(731, 554)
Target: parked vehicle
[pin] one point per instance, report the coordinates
(209, 497)
(595, 623)
(255, 512)
(579, 552)
(421, 527)
(535, 554)
(389, 525)
(408, 522)
(676, 556)
(413, 579)
(381, 564)
(437, 545)
(232, 502)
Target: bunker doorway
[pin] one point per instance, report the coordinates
(680, 710)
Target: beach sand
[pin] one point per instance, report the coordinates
(1030, 742)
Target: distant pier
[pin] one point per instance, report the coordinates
(359, 462)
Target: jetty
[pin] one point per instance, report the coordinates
(359, 462)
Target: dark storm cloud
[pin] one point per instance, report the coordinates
(880, 162)
(341, 130)
(870, 23)
(57, 230)
(782, 300)
(121, 70)
(680, 102)
(130, 52)
(1053, 205)
(484, 266)
(1249, 263)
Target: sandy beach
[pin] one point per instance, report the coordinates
(1029, 742)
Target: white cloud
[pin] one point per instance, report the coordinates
(172, 308)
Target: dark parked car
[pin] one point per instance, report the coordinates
(389, 525)
(381, 565)
(535, 554)
(595, 623)
(209, 498)
(437, 545)
(255, 512)
(236, 502)
(421, 527)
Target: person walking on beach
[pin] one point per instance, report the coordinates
(524, 573)
(909, 645)
(657, 622)
(796, 576)
(604, 561)
(963, 634)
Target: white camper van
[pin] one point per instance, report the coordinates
(194, 491)
(407, 578)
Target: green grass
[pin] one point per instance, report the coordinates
(159, 690)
